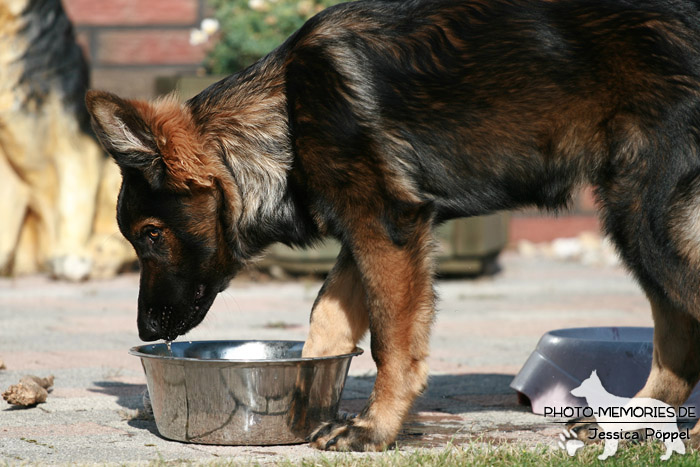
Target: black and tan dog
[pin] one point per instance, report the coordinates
(379, 119)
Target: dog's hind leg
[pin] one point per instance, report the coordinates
(676, 359)
(675, 364)
(339, 316)
(397, 277)
(679, 353)
(658, 233)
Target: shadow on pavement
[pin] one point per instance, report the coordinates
(129, 396)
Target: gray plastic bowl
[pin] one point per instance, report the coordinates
(241, 392)
(565, 357)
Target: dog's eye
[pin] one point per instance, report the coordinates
(154, 234)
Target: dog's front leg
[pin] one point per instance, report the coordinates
(339, 316)
(397, 279)
(339, 319)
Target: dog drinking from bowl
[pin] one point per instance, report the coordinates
(378, 120)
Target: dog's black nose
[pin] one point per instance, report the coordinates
(148, 335)
(150, 328)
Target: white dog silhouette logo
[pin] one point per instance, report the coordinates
(624, 418)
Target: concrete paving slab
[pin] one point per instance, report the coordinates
(484, 332)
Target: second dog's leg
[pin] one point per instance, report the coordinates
(339, 316)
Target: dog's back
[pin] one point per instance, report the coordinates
(522, 100)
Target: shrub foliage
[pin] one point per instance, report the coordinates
(252, 28)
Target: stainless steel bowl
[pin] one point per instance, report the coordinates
(241, 392)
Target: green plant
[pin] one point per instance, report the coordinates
(249, 29)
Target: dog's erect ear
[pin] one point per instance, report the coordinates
(125, 135)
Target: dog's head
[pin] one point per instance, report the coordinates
(173, 208)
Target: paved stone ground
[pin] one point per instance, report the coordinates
(484, 332)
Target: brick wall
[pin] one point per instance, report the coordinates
(131, 42)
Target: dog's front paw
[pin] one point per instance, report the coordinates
(348, 434)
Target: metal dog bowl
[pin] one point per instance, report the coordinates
(241, 392)
(565, 357)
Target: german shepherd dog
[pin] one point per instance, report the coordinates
(378, 120)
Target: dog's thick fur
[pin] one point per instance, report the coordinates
(379, 119)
